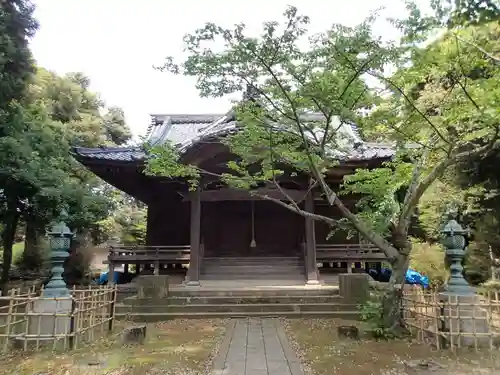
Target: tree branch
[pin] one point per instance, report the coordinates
(480, 49)
(297, 210)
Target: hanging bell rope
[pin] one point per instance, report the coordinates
(253, 243)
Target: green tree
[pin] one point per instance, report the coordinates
(17, 25)
(430, 108)
(77, 113)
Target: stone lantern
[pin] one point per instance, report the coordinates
(60, 241)
(461, 311)
(454, 241)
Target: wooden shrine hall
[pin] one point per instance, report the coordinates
(216, 229)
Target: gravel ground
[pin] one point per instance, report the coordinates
(323, 353)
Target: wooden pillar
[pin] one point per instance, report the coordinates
(111, 273)
(311, 269)
(194, 262)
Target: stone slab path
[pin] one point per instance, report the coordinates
(256, 347)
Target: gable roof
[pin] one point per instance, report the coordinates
(186, 130)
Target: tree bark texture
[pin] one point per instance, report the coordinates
(8, 236)
(32, 256)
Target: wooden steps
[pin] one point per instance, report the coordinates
(253, 268)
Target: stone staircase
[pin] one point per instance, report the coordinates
(246, 268)
(272, 302)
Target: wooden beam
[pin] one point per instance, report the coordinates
(228, 194)
(194, 265)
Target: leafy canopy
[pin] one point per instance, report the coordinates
(436, 103)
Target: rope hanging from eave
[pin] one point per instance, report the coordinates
(253, 243)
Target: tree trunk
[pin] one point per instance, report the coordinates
(8, 236)
(32, 257)
(391, 305)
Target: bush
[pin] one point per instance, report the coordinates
(32, 261)
(477, 263)
(77, 267)
(429, 260)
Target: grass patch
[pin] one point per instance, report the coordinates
(175, 347)
(320, 348)
(17, 251)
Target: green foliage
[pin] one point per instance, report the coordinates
(287, 82)
(17, 25)
(437, 105)
(164, 161)
(491, 286)
(371, 312)
(17, 252)
(429, 260)
(379, 188)
(132, 225)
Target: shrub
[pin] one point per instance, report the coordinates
(370, 313)
(32, 261)
(477, 263)
(429, 260)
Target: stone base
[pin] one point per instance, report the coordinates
(153, 287)
(354, 287)
(313, 282)
(462, 314)
(134, 335)
(50, 325)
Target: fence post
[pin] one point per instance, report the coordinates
(112, 309)
(8, 323)
(72, 331)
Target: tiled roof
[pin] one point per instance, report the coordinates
(185, 131)
(127, 154)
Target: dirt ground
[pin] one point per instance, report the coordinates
(324, 353)
(174, 347)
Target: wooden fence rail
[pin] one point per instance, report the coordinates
(349, 254)
(91, 314)
(439, 320)
(149, 254)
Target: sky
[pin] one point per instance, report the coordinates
(116, 43)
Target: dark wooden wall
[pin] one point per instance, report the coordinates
(168, 221)
(226, 227)
(322, 229)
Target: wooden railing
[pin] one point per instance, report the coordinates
(149, 254)
(349, 253)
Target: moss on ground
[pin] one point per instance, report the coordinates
(173, 347)
(324, 353)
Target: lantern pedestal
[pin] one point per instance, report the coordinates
(51, 317)
(462, 315)
(463, 318)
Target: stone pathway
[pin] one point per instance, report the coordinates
(256, 347)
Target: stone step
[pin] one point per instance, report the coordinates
(296, 278)
(259, 273)
(154, 317)
(234, 308)
(225, 266)
(211, 300)
(255, 293)
(250, 259)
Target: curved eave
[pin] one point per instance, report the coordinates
(123, 156)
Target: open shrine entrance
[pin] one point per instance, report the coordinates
(253, 228)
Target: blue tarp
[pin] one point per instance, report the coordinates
(415, 278)
(412, 277)
(103, 279)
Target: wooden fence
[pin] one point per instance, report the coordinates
(24, 325)
(452, 322)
